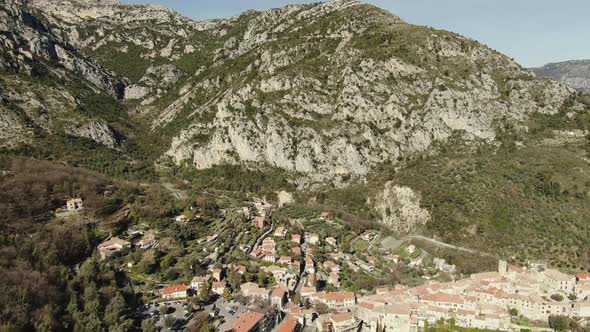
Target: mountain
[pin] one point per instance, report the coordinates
(335, 106)
(340, 103)
(575, 73)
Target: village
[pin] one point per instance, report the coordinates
(262, 270)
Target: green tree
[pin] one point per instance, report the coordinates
(46, 321)
(169, 321)
(557, 297)
(513, 312)
(262, 279)
(114, 311)
(559, 323)
(227, 294)
(205, 293)
(148, 325)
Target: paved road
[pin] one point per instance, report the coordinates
(446, 245)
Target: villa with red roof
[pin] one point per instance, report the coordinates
(174, 292)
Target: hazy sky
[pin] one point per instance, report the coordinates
(533, 32)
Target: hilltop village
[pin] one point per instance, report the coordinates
(261, 269)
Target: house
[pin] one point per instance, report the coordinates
(392, 258)
(311, 238)
(218, 287)
(309, 265)
(258, 252)
(285, 260)
(326, 215)
(182, 218)
(259, 221)
(582, 277)
(289, 325)
(343, 322)
(559, 281)
(411, 249)
(334, 300)
(250, 321)
(174, 292)
(217, 274)
(372, 260)
(74, 204)
(278, 297)
(269, 245)
(331, 241)
(240, 269)
(307, 292)
(110, 247)
(198, 282)
(334, 279)
(296, 238)
(296, 251)
(271, 258)
(280, 232)
(253, 291)
(331, 266)
(148, 240)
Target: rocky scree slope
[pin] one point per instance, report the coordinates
(575, 73)
(327, 90)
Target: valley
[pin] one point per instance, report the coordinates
(303, 168)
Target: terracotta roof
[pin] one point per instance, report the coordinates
(337, 318)
(395, 309)
(218, 284)
(114, 241)
(173, 289)
(445, 298)
(288, 326)
(278, 292)
(583, 276)
(247, 321)
(342, 296)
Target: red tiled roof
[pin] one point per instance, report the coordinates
(247, 321)
(218, 284)
(446, 298)
(288, 326)
(583, 276)
(340, 296)
(337, 318)
(173, 289)
(278, 292)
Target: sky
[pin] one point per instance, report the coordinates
(534, 32)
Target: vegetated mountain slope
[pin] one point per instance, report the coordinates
(50, 282)
(327, 90)
(55, 101)
(443, 129)
(575, 73)
(525, 199)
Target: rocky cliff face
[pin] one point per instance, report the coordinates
(42, 75)
(327, 90)
(399, 208)
(575, 74)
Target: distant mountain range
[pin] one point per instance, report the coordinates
(574, 73)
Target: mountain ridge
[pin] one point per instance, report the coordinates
(574, 73)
